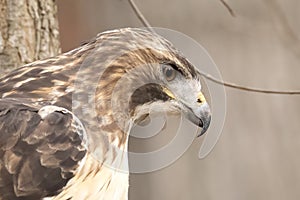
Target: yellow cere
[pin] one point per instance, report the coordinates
(201, 98)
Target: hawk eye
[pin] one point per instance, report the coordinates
(169, 73)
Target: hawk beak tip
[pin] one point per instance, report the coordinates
(204, 124)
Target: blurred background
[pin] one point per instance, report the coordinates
(257, 156)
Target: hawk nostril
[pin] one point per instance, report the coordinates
(201, 98)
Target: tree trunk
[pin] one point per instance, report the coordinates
(28, 32)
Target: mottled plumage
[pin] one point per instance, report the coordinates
(66, 119)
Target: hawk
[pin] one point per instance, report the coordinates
(52, 145)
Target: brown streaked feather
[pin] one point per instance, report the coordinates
(39, 155)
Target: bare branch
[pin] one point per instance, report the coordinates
(230, 10)
(140, 15)
(249, 89)
(209, 77)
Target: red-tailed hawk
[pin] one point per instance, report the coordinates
(53, 145)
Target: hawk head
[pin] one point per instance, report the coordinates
(144, 74)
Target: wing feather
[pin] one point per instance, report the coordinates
(40, 149)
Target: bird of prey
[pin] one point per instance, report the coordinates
(53, 146)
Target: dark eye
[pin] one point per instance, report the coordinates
(169, 73)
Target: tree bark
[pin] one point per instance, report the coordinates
(28, 32)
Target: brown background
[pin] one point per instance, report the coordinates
(257, 156)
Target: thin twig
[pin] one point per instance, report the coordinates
(230, 10)
(209, 77)
(249, 89)
(139, 14)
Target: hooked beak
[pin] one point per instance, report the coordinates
(200, 114)
(200, 117)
